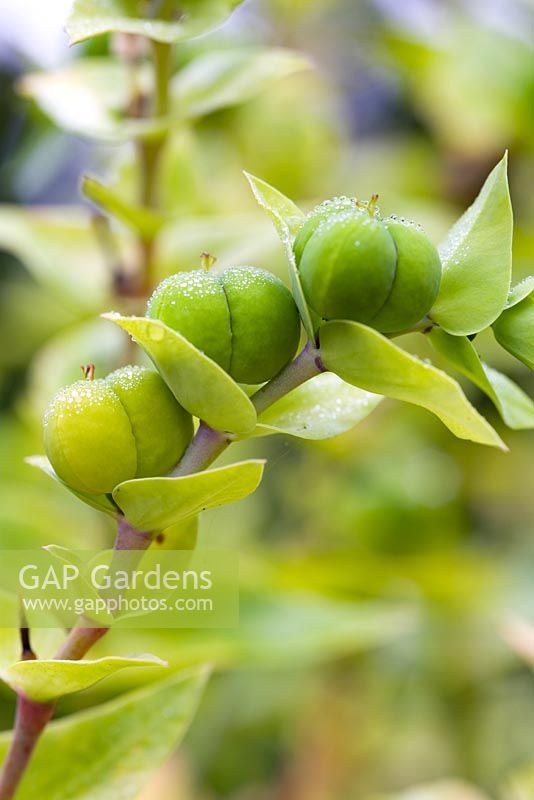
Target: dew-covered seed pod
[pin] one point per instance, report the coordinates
(355, 265)
(243, 318)
(128, 425)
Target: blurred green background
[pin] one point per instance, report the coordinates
(380, 568)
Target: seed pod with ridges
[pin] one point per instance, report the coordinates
(243, 318)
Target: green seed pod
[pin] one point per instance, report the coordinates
(355, 265)
(243, 318)
(128, 425)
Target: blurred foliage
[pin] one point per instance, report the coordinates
(394, 534)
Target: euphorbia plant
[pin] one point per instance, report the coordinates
(223, 346)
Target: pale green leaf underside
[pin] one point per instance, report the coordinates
(514, 330)
(323, 407)
(99, 501)
(520, 291)
(141, 220)
(365, 358)
(111, 750)
(287, 219)
(157, 503)
(477, 260)
(194, 17)
(44, 681)
(514, 406)
(197, 382)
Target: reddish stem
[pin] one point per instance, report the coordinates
(31, 719)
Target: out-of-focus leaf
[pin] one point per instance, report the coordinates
(520, 291)
(88, 97)
(441, 790)
(157, 503)
(287, 219)
(58, 247)
(292, 629)
(119, 743)
(365, 358)
(99, 501)
(44, 681)
(514, 330)
(515, 407)
(520, 784)
(323, 407)
(218, 79)
(477, 260)
(141, 220)
(197, 382)
(189, 18)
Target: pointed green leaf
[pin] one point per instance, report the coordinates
(217, 79)
(143, 221)
(189, 18)
(99, 501)
(111, 750)
(477, 260)
(197, 382)
(520, 291)
(287, 219)
(514, 406)
(44, 681)
(365, 358)
(323, 407)
(514, 330)
(157, 503)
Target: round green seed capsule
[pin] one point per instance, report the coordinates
(243, 318)
(355, 265)
(128, 425)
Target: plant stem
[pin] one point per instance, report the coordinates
(208, 443)
(306, 365)
(31, 718)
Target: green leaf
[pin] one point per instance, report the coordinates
(218, 79)
(477, 260)
(111, 750)
(514, 406)
(141, 220)
(44, 681)
(157, 503)
(90, 96)
(287, 219)
(514, 330)
(99, 501)
(365, 358)
(58, 247)
(520, 291)
(183, 535)
(190, 18)
(323, 407)
(198, 383)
